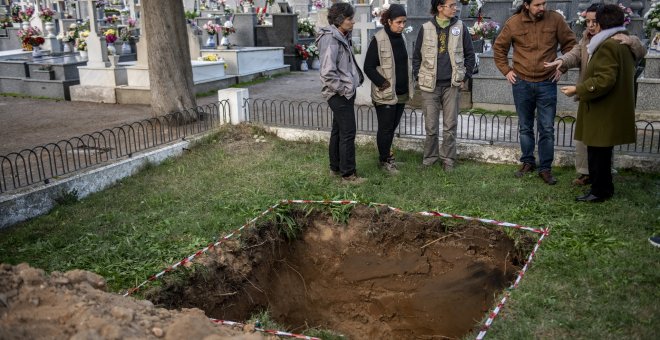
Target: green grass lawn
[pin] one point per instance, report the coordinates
(595, 277)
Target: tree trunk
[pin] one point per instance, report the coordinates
(170, 70)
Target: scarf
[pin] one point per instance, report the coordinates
(599, 38)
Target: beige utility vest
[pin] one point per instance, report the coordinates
(428, 70)
(388, 71)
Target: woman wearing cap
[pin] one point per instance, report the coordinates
(386, 65)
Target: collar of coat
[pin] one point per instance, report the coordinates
(603, 35)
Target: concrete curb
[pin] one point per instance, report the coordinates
(32, 202)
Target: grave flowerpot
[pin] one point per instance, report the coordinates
(316, 64)
(83, 54)
(125, 48)
(36, 52)
(16, 24)
(49, 27)
(303, 66)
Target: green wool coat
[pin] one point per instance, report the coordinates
(606, 112)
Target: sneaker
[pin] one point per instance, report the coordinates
(582, 180)
(389, 167)
(525, 168)
(655, 241)
(353, 179)
(547, 177)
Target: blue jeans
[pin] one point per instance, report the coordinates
(542, 97)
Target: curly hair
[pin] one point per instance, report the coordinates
(339, 12)
(387, 14)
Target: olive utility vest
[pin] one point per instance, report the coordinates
(387, 70)
(428, 69)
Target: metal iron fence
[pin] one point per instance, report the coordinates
(491, 128)
(45, 162)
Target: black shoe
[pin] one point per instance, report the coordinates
(655, 241)
(525, 168)
(589, 197)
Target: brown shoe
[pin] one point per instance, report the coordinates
(389, 167)
(547, 177)
(335, 173)
(525, 168)
(582, 180)
(353, 179)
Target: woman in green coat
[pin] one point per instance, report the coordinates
(606, 113)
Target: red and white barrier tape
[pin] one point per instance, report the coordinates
(268, 331)
(484, 328)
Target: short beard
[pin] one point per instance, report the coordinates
(539, 15)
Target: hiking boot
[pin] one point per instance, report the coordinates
(525, 168)
(547, 177)
(582, 180)
(353, 179)
(389, 167)
(448, 166)
(655, 241)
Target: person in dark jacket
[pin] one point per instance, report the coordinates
(606, 113)
(386, 65)
(340, 78)
(442, 62)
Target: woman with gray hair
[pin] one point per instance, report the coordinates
(340, 78)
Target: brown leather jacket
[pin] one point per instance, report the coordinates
(534, 42)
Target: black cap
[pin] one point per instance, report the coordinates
(396, 11)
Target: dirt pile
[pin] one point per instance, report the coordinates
(74, 305)
(383, 275)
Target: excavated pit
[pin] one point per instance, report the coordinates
(380, 276)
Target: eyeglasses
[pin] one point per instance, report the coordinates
(452, 6)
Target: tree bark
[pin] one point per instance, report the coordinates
(170, 70)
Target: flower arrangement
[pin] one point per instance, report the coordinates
(306, 26)
(581, 19)
(110, 35)
(227, 28)
(484, 29)
(247, 3)
(261, 15)
(125, 34)
(131, 22)
(627, 14)
(301, 52)
(5, 23)
(211, 57)
(46, 14)
(69, 36)
(26, 14)
(31, 36)
(15, 13)
(100, 4)
(313, 51)
(652, 19)
(211, 28)
(81, 42)
(318, 4)
(112, 19)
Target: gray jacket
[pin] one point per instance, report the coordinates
(340, 74)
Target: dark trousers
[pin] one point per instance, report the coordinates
(388, 120)
(600, 170)
(342, 136)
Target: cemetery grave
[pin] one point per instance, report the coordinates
(383, 274)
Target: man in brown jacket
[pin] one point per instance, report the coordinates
(535, 35)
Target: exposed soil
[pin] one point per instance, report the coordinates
(373, 278)
(74, 305)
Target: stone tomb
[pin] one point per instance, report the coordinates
(48, 76)
(243, 61)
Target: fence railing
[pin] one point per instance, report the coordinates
(491, 128)
(42, 163)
